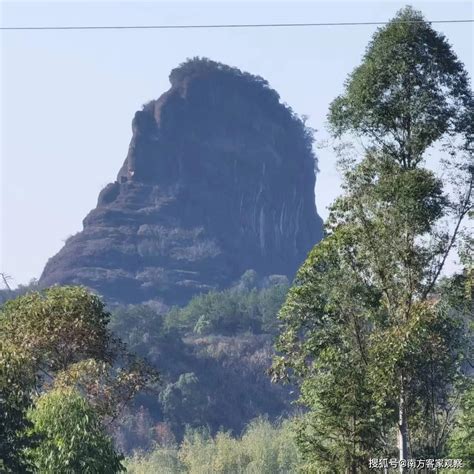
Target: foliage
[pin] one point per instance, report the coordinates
(263, 448)
(42, 334)
(64, 331)
(251, 306)
(364, 334)
(16, 382)
(59, 339)
(409, 91)
(184, 403)
(213, 381)
(162, 459)
(461, 442)
(72, 438)
(109, 387)
(458, 293)
(325, 346)
(58, 327)
(360, 324)
(208, 379)
(142, 326)
(231, 311)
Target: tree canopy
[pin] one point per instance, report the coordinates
(377, 352)
(58, 341)
(410, 91)
(72, 438)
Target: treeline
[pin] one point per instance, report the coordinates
(68, 381)
(212, 355)
(263, 448)
(244, 308)
(250, 306)
(64, 378)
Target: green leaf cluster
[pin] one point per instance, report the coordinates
(17, 378)
(409, 91)
(72, 437)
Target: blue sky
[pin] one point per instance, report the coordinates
(68, 98)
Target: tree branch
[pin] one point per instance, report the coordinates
(465, 208)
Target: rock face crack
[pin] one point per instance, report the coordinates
(219, 178)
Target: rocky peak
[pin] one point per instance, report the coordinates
(219, 178)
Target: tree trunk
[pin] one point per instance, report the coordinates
(402, 427)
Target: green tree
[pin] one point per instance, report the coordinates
(72, 438)
(409, 91)
(17, 379)
(362, 330)
(58, 327)
(60, 338)
(459, 294)
(324, 345)
(184, 403)
(42, 334)
(263, 448)
(242, 308)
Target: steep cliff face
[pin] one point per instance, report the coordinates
(219, 178)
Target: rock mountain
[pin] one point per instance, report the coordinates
(219, 178)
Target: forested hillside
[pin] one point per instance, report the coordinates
(213, 356)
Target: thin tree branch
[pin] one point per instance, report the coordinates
(465, 209)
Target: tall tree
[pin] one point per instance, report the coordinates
(409, 92)
(58, 327)
(362, 313)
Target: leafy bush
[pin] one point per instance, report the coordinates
(163, 460)
(250, 306)
(57, 343)
(17, 380)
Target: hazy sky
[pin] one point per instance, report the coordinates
(68, 97)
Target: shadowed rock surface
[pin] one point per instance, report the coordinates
(219, 178)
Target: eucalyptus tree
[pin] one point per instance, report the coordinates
(363, 331)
